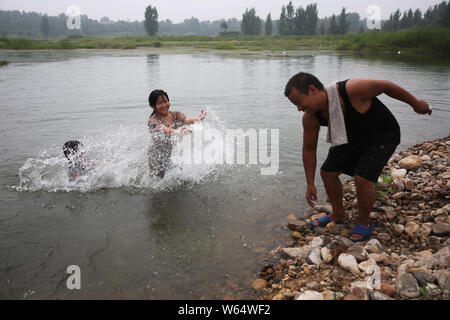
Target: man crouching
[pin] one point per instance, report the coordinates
(372, 135)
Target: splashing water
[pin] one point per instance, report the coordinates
(120, 160)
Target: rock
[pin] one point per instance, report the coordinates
(399, 173)
(297, 253)
(325, 208)
(412, 229)
(347, 242)
(443, 278)
(388, 289)
(377, 295)
(443, 257)
(441, 229)
(446, 208)
(297, 225)
(391, 214)
(358, 252)
(297, 235)
(328, 295)
(359, 289)
(410, 162)
(423, 277)
(398, 229)
(384, 236)
(317, 216)
(425, 158)
(378, 257)
(326, 254)
(407, 286)
(348, 262)
(409, 184)
(309, 295)
(399, 195)
(259, 284)
(316, 242)
(314, 257)
(292, 217)
(367, 266)
(373, 246)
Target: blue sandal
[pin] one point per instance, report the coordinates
(366, 232)
(323, 221)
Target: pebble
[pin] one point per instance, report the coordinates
(259, 284)
(348, 262)
(358, 252)
(309, 295)
(410, 162)
(373, 246)
(314, 257)
(443, 278)
(376, 295)
(407, 286)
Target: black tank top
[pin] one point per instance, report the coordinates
(364, 128)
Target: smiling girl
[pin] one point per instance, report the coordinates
(162, 124)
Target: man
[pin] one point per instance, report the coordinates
(372, 135)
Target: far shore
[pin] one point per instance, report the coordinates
(422, 41)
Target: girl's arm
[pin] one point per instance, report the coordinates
(196, 119)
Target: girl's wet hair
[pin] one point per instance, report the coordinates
(71, 147)
(153, 97)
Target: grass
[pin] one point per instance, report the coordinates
(3, 63)
(422, 40)
(384, 189)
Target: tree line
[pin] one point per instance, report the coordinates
(292, 21)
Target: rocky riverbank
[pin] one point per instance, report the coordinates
(408, 256)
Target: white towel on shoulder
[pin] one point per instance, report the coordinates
(337, 134)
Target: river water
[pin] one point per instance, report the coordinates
(205, 230)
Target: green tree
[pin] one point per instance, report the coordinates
(45, 26)
(151, 20)
(311, 19)
(223, 26)
(333, 29)
(343, 23)
(322, 28)
(251, 23)
(268, 26)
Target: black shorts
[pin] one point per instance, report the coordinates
(366, 161)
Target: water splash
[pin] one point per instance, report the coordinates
(120, 160)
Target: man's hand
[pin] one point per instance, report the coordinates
(421, 107)
(311, 195)
(202, 115)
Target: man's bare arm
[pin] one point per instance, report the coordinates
(367, 89)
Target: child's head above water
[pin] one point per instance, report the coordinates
(155, 97)
(72, 149)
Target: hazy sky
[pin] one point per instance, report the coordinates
(178, 10)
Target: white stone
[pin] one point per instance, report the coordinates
(297, 253)
(309, 295)
(316, 242)
(326, 254)
(399, 173)
(348, 262)
(314, 257)
(367, 266)
(373, 246)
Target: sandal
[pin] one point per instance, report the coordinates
(323, 221)
(366, 232)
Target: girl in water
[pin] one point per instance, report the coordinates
(162, 124)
